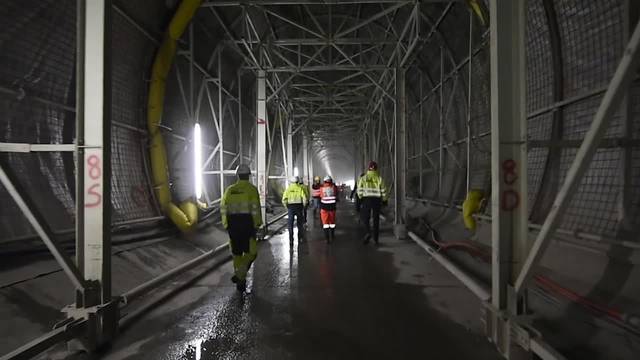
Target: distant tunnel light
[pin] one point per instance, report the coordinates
(350, 183)
(197, 160)
(296, 172)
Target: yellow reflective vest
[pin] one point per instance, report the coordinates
(241, 198)
(372, 185)
(306, 191)
(295, 194)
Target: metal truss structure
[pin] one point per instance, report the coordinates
(330, 82)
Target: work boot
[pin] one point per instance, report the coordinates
(375, 239)
(241, 285)
(367, 238)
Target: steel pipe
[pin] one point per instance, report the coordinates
(482, 291)
(144, 288)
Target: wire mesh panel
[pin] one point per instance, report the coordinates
(37, 45)
(594, 208)
(539, 60)
(37, 103)
(131, 60)
(130, 188)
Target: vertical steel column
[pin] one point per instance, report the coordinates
(400, 146)
(625, 207)
(305, 157)
(470, 74)
(80, 59)
(441, 124)
(290, 146)
(95, 204)
(283, 143)
(421, 139)
(508, 160)
(261, 142)
(191, 74)
(240, 137)
(221, 122)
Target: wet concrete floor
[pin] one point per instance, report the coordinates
(318, 301)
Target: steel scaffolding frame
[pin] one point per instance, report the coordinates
(367, 98)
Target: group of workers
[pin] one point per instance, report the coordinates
(241, 213)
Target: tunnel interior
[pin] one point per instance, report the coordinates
(408, 84)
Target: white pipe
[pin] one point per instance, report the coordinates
(482, 291)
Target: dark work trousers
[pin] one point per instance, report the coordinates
(295, 211)
(370, 206)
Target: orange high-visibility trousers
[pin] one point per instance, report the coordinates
(328, 218)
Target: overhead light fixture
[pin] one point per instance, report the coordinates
(197, 160)
(296, 172)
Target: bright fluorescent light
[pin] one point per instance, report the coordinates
(198, 349)
(296, 172)
(197, 160)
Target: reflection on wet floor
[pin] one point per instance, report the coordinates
(317, 301)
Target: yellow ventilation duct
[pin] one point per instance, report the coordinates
(184, 215)
(471, 205)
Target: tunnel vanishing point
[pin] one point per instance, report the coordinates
(506, 132)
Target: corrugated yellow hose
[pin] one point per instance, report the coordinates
(184, 215)
(470, 206)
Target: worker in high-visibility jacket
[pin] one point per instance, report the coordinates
(295, 199)
(315, 193)
(372, 193)
(241, 217)
(307, 193)
(328, 200)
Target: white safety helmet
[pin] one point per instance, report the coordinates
(328, 179)
(243, 169)
(294, 179)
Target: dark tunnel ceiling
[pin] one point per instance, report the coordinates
(332, 64)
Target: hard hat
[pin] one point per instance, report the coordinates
(294, 179)
(243, 169)
(316, 179)
(373, 165)
(328, 179)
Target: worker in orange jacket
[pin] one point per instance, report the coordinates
(328, 200)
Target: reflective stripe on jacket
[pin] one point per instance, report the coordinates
(328, 194)
(241, 198)
(372, 185)
(295, 194)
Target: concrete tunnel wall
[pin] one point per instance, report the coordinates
(597, 256)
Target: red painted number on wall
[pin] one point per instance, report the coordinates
(510, 197)
(93, 196)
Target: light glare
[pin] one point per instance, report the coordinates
(197, 160)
